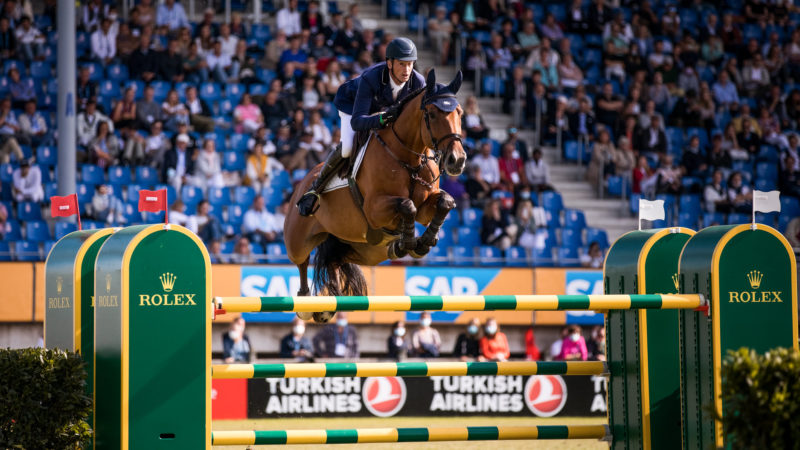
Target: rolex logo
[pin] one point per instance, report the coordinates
(59, 284)
(108, 282)
(676, 280)
(167, 281)
(755, 277)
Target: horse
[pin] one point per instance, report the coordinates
(399, 184)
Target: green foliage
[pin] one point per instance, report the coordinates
(43, 401)
(761, 399)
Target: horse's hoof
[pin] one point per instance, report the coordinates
(419, 252)
(305, 315)
(324, 316)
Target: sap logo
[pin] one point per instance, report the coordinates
(584, 283)
(425, 285)
(270, 286)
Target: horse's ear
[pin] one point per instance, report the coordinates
(430, 83)
(456, 83)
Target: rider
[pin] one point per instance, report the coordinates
(379, 88)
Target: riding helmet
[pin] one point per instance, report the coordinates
(401, 48)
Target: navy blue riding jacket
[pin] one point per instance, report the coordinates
(370, 93)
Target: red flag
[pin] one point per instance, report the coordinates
(153, 201)
(65, 206)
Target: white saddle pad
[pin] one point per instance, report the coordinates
(338, 182)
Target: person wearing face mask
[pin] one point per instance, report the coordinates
(236, 346)
(494, 345)
(467, 344)
(295, 344)
(573, 346)
(597, 344)
(426, 341)
(398, 347)
(337, 340)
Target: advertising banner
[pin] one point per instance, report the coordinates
(540, 395)
(229, 399)
(584, 282)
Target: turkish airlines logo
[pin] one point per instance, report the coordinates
(545, 395)
(384, 396)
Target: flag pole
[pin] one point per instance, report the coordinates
(753, 223)
(78, 212)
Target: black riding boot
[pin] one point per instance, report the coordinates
(307, 205)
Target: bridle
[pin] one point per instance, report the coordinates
(424, 156)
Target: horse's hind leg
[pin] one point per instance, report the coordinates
(441, 204)
(304, 289)
(407, 242)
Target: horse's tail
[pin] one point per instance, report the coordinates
(333, 275)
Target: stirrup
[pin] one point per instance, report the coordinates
(315, 203)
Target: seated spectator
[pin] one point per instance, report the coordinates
(88, 121)
(396, 344)
(236, 346)
(219, 64)
(30, 41)
(104, 43)
(755, 76)
(668, 177)
(573, 346)
(205, 225)
(177, 215)
(26, 184)
(8, 39)
(577, 18)
(478, 189)
(214, 250)
(537, 172)
(630, 131)
(178, 165)
(526, 220)
(497, 229)
(512, 171)
(472, 120)
(554, 352)
(725, 93)
(170, 63)
(337, 340)
(195, 67)
(582, 121)
(172, 15)
(653, 139)
(146, 14)
(641, 174)
(531, 350)
(494, 344)
(126, 42)
(173, 111)
(739, 195)
(288, 19)
(569, 73)
(748, 140)
(259, 224)
(693, 163)
(155, 147)
(596, 347)
(293, 60)
(789, 178)
(548, 71)
(604, 153)
(714, 195)
(625, 157)
(21, 90)
(199, 112)
(104, 148)
(260, 168)
(143, 62)
(718, 157)
(32, 126)
(348, 41)
(332, 78)
(311, 19)
(295, 344)
(208, 167)
(489, 165)
(247, 116)
(105, 207)
(659, 93)
(609, 106)
(86, 89)
(124, 114)
(440, 30)
(148, 111)
(243, 252)
(593, 257)
(467, 346)
(426, 342)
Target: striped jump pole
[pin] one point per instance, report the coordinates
(407, 369)
(376, 435)
(458, 303)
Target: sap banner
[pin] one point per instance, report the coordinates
(584, 282)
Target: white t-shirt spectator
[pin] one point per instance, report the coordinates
(222, 60)
(29, 36)
(289, 21)
(229, 45)
(28, 188)
(263, 221)
(104, 46)
(490, 169)
(173, 18)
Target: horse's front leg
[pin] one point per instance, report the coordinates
(384, 211)
(304, 289)
(437, 207)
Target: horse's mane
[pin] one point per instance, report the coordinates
(409, 98)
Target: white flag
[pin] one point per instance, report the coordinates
(767, 201)
(651, 210)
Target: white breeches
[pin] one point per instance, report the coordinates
(347, 134)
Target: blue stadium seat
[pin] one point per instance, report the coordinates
(699, 132)
(713, 219)
(234, 91)
(770, 218)
(452, 220)
(675, 137)
(553, 218)
(463, 255)
(690, 203)
(282, 180)
(276, 253)
(160, 89)
(191, 195)
(228, 247)
(15, 64)
(238, 142)
(85, 193)
(132, 193)
(117, 72)
(591, 56)
(597, 235)
(472, 217)
(543, 257)
(265, 75)
(568, 257)
(444, 236)
(260, 32)
(29, 211)
(13, 232)
(258, 89)
(575, 151)
(146, 176)
(7, 172)
(273, 197)
(119, 175)
(615, 185)
(26, 251)
(92, 174)
(210, 92)
(36, 230)
(171, 194)
(225, 107)
(783, 222)
(766, 184)
(489, 256)
(47, 155)
(492, 85)
(468, 236)
(234, 161)
(64, 228)
(5, 251)
(688, 220)
(243, 196)
(574, 218)
(437, 256)
(516, 257)
(110, 88)
(790, 205)
(571, 237)
(552, 201)
(738, 219)
(130, 211)
(767, 170)
(219, 196)
(768, 153)
(41, 70)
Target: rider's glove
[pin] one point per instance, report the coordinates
(390, 115)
